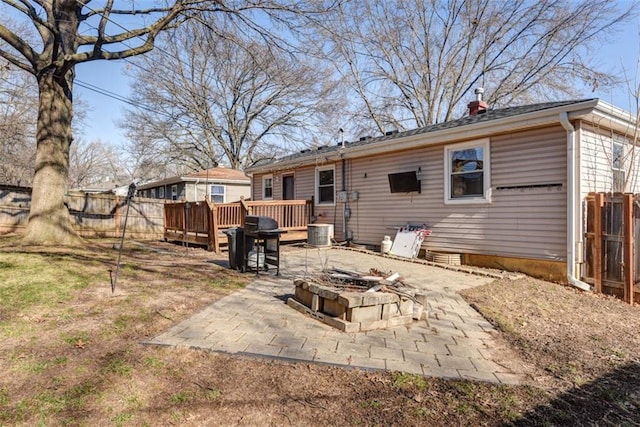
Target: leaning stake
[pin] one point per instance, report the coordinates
(114, 279)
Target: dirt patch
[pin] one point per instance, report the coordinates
(584, 348)
(76, 358)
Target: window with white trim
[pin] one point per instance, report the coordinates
(617, 166)
(467, 172)
(174, 192)
(153, 193)
(161, 192)
(325, 185)
(267, 187)
(217, 193)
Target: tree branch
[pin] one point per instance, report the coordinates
(150, 31)
(21, 46)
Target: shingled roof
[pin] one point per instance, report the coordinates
(486, 116)
(218, 174)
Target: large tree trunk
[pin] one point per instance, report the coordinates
(49, 220)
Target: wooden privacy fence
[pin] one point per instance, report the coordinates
(204, 223)
(612, 240)
(92, 215)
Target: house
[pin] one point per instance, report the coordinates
(105, 187)
(222, 185)
(503, 188)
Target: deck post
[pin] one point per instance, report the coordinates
(627, 251)
(244, 210)
(214, 241)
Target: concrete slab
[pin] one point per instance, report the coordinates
(455, 341)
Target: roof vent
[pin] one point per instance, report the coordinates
(306, 150)
(478, 106)
(391, 132)
(364, 138)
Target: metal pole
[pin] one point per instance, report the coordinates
(130, 193)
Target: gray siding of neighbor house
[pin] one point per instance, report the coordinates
(596, 154)
(527, 221)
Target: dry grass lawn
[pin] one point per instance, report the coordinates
(70, 353)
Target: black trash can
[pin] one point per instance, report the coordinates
(242, 248)
(232, 244)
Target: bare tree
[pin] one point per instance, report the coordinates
(91, 163)
(17, 127)
(209, 98)
(413, 63)
(72, 32)
(144, 158)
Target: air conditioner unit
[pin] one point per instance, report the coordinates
(319, 234)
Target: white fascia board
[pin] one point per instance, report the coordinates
(614, 118)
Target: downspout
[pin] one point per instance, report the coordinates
(344, 204)
(574, 210)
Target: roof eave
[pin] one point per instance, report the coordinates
(470, 131)
(608, 116)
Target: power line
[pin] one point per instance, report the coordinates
(121, 98)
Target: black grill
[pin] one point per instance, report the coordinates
(262, 234)
(257, 223)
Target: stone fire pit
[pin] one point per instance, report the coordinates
(355, 310)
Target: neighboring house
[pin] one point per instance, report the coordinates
(222, 185)
(504, 188)
(106, 187)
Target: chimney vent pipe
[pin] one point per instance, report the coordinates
(477, 106)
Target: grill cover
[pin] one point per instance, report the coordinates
(254, 223)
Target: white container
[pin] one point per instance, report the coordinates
(385, 245)
(251, 259)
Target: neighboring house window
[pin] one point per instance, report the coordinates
(467, 177)
(153, 193)
(617, 167)
(161, 193)
(325, 185)
(267, 187)
(174, 192)
(217, 193)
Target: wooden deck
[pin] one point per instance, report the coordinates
(205, 223)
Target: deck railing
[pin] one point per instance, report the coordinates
(204, 223)
(189, 222)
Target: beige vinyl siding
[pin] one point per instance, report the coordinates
(304, 189)
(256, 186)
(596, 153)
(197, 192)
(518, 222)
(233, 192)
